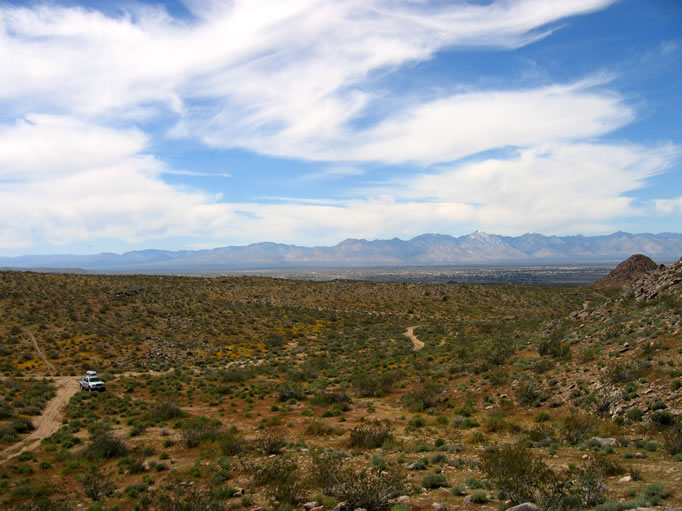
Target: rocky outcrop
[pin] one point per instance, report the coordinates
(627, 272)
(661, 282)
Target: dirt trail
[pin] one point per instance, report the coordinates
(416, 343)
(50, 367)
(47, 423)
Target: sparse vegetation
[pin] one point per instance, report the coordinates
(235, 393)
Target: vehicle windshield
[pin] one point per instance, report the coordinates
(94, 379)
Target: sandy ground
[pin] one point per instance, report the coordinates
(416, 343)
(47, 423)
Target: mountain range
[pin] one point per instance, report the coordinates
(478, 248)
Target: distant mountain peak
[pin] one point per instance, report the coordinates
(428, 249)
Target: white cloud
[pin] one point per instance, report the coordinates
(457, 126)
(67, 180)
(271, 76)
(668, 206)
(119, 194)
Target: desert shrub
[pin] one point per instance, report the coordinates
(479, 497)
(495, 422)
(271, 443)
(103, 444)
(431, 481)
(370, 437)
(553, 347)
(528, 393)
(6, 411)
(21, 425)
(662, 418)
(369, 489)
(96, 485)
(635, 414)
(328, 470)
(288, 390)
(541, 417)
(198, 430)
(417, 421)
(424, 397)
(623, 372)
(515, 472)
(578, 426)
(654, 494)
(371, 384)
(672, 440)
(281, 478)
(521, 477)
(330, 398)
(541, 435)
(167, 411)
(231, 442)
(319, 428)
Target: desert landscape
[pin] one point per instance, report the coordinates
(260, 393)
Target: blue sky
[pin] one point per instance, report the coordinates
(203, 123)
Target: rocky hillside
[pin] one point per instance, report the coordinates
(627, 272)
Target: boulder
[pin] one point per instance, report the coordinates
(607, 442)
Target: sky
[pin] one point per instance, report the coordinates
(203, 123)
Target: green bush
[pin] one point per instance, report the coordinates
(479, 498)
(281, 478)
(369, 489)
(431, 481)
(103, 444)
(515, 472)
(198, 430)
(424, 397)
(635, 414)
(578, 426)
(370, 437)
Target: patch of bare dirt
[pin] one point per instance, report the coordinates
(416, 343)
(42, 356)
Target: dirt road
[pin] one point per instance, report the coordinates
(42, 356)
(416, 343)
(48, 422)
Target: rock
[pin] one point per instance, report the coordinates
(412, 466)
(359, 509)
(607, 442)
(625, 479)
(639, 455)
(586, 456)
(310, 505)
(526, 506)
(238, 492)
(341, 506)
(439, 507)
(467, 499)
(403, 499)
